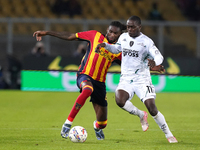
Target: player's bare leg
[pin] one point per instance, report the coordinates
(101, 122)
(160, 120)
(122, 101)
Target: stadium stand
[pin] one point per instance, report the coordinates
(92, 9)
(96, 9)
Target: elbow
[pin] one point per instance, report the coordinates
(158, 60)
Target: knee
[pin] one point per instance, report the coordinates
(101, 124)
(153, 111)
(119, 102)
(150, 104)
(121, 98)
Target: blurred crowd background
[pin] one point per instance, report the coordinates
(174, 25)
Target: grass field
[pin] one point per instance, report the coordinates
(33, 120)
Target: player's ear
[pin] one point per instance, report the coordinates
(140, 27)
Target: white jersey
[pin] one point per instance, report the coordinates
(135, 52)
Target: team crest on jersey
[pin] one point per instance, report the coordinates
(124, 40)
(131, 43)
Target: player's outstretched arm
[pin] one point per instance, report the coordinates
(97, 49)
(61, 35)
(111, 48)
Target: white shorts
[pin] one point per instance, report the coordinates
(143, 90)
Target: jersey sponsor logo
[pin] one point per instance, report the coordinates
(105, 55)
(131, 43)
(131, 53)
(141, 44)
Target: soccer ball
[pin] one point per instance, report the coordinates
(78, 134)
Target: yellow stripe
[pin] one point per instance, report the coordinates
(102, 122)
(88, 87)
(95, 43)
(98, 64)
(77, 35)
(106, 63)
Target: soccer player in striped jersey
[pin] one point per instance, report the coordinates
(139, 53)
(92, 72)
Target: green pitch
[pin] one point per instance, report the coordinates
(33, 120)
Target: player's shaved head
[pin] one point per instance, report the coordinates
(135, 19)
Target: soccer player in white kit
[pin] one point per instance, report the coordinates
(139, 53)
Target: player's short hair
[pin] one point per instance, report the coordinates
(136, 19)
(118, 24)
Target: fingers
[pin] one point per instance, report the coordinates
(161, 69)
(151, 63)
(38, 38)
(97, 49)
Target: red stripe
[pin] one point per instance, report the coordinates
(104, 78)
(101, 38)
(93, 66)
(100, 69)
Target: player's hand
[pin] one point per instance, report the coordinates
(97, 49)
(39, 35)
(151, 63)
(159, 68)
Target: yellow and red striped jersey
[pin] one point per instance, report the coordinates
(96, 64)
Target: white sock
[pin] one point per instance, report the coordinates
(160, 120)
(132, 109)
(68, 122)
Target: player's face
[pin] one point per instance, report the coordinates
(113, 34)
(133, 28)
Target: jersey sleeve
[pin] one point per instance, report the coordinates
(155, 53)
(114, 48)
(86, 35)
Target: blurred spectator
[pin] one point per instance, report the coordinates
(197, 10)
(81, 49)
(3, 84)
(193, 10)
(39, 50)
(190, 8)
(74, 8)
(14, 68)
(59, 7)
(183, 4)
(154, 14)
(69, 7)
